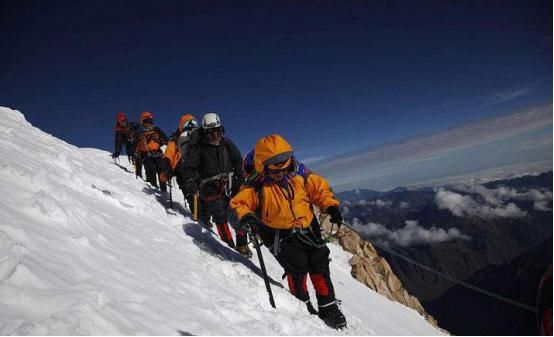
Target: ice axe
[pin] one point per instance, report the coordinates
(256, 240)
(170, 192)
(195, 207)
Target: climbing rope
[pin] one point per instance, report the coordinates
(446, 276)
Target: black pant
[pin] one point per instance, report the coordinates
(153, 165)
(137, 161)
(299, 258)
(138, 166)
(221, 214)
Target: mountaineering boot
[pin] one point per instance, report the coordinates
(244, 251)
(332, 316)
(311, 308)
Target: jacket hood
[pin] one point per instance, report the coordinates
(184, 119)
(146, 115)
(120, 117)
(270, 150)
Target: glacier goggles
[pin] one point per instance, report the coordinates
(278, 167)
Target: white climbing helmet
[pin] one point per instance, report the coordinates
(211, 120)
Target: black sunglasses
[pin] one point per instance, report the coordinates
(213, 131)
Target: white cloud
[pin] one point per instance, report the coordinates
(376, 203)
(345, 210)
(410, 234)
(381, 203)
(465, 205)
(404, 205)
(541, 206)
(499, 97)
(501, 194)
(312, 159)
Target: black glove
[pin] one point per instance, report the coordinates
(167, 171)
(115, 154)
(248, 223)
(166, 166)
(191, 187)
(237, 183)
(334, 212)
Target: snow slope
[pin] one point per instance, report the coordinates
(87, 249)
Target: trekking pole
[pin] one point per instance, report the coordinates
(256, 241)
(170, 194)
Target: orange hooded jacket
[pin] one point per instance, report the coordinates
(282, 207)
(172, 153)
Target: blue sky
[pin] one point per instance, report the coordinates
(331, 77)
(494, 148)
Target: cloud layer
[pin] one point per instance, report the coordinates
(498, 202)
(376, 203)
(464, 205)
(410, 234)
(500, 97)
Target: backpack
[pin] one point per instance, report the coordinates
(187, 140)
(149, 140)
(135, 129)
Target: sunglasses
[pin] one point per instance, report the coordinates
(213, 131)
(148, 121)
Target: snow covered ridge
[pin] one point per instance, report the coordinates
(87, 249)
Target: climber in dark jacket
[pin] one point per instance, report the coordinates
(125, 135)
(213, 169)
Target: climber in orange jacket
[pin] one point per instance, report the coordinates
(149, 143)
(279, 208)
(172, 163)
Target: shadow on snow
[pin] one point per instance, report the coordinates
(206, 241)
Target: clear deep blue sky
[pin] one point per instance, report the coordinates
(331, 76)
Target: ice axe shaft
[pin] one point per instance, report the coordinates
(170, 193)
(195, 207)
(262, 266)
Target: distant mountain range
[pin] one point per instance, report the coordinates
(466, 231)
(517, 280)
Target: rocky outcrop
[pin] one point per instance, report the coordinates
(374, 271)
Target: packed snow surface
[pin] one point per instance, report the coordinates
(87, 249)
